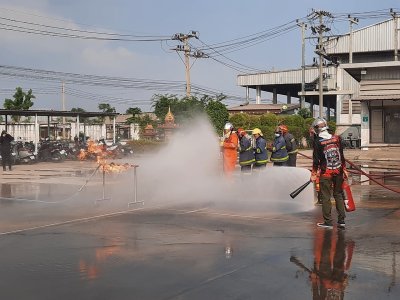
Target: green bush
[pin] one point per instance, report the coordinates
(269, 119)
(297, 125)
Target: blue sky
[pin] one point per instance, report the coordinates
(216, 22)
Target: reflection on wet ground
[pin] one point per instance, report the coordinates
(191, 251)
(328, 274)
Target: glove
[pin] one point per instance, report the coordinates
(313, 177)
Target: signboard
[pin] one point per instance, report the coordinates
(365, 118)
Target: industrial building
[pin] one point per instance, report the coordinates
(361, 84)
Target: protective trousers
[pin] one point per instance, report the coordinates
(6, 159)
(329, 185)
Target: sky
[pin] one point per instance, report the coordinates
(127, 45)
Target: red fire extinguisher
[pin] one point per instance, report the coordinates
(348, 197)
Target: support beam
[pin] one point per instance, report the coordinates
(328, 111)
(247, 94)
(289, 98)
(78, 125)
(114, 130)
(37, 133)
(48, 127)
(258, 95)
(274, 96)
(312, 107)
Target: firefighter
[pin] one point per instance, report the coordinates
(279, 155)
(246, 153)
(291, 145)
(229, 145)
(329, 161)
(260, 149)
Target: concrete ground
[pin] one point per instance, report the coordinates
(61, 237)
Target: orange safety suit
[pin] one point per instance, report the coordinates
(229, 153)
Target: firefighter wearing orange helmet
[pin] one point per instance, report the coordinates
(246, 153)
(291, 145)
(229, 145)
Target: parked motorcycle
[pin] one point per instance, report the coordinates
(48, 151)
(20, 154)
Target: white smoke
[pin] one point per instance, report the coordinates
(189, 171)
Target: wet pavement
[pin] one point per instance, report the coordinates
(60, 242)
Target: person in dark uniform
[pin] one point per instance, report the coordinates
(5, 149)
(291, 145)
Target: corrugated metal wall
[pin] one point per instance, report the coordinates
(282, 77)
(377, 37)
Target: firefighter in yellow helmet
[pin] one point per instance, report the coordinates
(260, 149)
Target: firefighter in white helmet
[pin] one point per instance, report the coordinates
(229, 147)
(329, 162)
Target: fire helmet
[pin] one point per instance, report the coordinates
(241, 131)
(283, 128)
(320, 125)
(257, 131)
(228, 126)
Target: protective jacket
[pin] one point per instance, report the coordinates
(291, 146)
(5, 143)
(229, 151)
(279, 152)
(328, 155)
(260, 150)
(246, 153)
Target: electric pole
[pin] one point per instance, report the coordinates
(395, 34)
(303, 62)
(352, 21)
(320, 29)
(186, 49)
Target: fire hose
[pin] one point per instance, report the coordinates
(359, 171)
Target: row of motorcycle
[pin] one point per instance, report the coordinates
(58, 151)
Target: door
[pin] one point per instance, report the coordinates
(392, 125)
(376, 126)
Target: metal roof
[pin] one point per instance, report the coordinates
(374, 38)
(54, 113)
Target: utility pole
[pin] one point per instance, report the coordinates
(320, 29)
(395, 34)
(63, 106)
(352, 21)
(303, 62)
(186, 49)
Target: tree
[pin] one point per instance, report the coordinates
(218, 113)
(105, 108)
(79, 110)
(304, 112)
(187, 108)
(135, 112)
(22, 101)
(161, 104)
